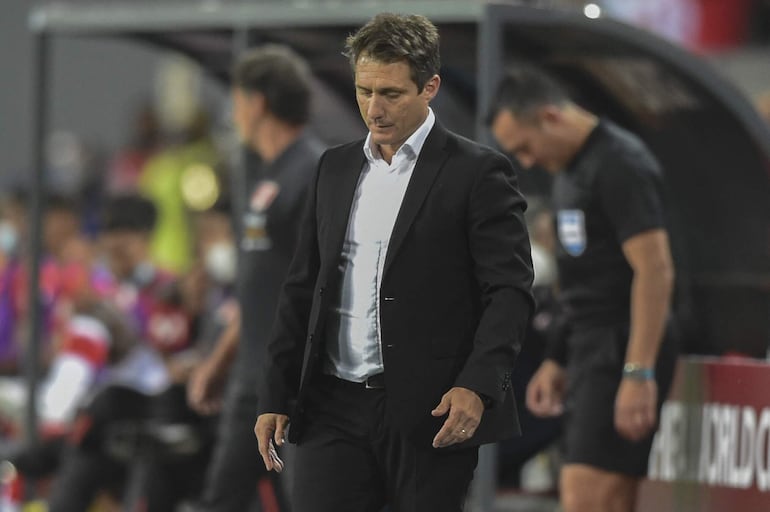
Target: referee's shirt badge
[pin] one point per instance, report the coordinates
(572, 231)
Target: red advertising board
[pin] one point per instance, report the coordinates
(712, 450)
(701, 25)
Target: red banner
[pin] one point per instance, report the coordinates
(704, 25)
(712, 450)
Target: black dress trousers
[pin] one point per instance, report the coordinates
(350, 460)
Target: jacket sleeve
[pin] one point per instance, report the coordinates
(500, 249)
(282, 366)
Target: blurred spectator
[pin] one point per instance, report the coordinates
(126, 166)
(763, 106)
(71, 252)
(65, 271)
(95, 338)
(136, 436)
(75, 171)
(140, 293)
(13, 225)
(217, 254)
(543, 241)
(162, 180)
(128, 224)
(206, 292)
(12, 241)
(69, 163)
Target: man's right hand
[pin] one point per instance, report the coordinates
(545, 391)
(205, 388)
(269, 426)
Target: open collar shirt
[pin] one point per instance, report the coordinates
(354, 345)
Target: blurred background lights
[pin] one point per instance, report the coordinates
(200, 188)
(592, 11)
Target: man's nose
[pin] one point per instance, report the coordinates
(374, 109)
(526, 161)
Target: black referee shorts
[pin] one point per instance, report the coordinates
(596, 358)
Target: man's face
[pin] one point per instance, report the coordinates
(246, 111)
(212, 228)
(529, 141)
(123, 251)
(389, 102)
(59, 225)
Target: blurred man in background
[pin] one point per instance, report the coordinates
(616, 278)
(271, 106)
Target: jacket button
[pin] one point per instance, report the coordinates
(321, 291)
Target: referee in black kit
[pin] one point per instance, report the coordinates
(616, 278)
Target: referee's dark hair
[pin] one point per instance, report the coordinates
(129, 213)
(281, 76)
(523, 89)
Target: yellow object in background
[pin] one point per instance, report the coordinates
(171, 179)
(35, 506)
(200, 187)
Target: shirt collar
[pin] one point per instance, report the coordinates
(411, 147)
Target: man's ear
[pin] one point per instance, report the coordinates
(431, 87)
(549, 114)
(257, 103)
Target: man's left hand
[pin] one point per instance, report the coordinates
(465, 409)
(635, 408)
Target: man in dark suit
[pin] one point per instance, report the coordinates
(406, 301)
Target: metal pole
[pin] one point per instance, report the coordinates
(35, 318)
(484, 485)
(489, 61)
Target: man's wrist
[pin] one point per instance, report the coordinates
(638, 372)
(485, 400)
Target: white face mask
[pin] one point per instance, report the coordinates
(8, 238)
(220, 261)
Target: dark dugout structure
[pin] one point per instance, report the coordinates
(713, 146)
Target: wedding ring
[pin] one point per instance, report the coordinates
(462, 430)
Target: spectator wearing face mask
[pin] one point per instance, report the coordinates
(67, 273)
(139, 292)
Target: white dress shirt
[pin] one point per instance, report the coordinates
(354, 347)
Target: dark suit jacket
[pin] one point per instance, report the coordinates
(455, 294)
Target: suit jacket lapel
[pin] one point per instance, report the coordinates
(431, 160)
(346, 174)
